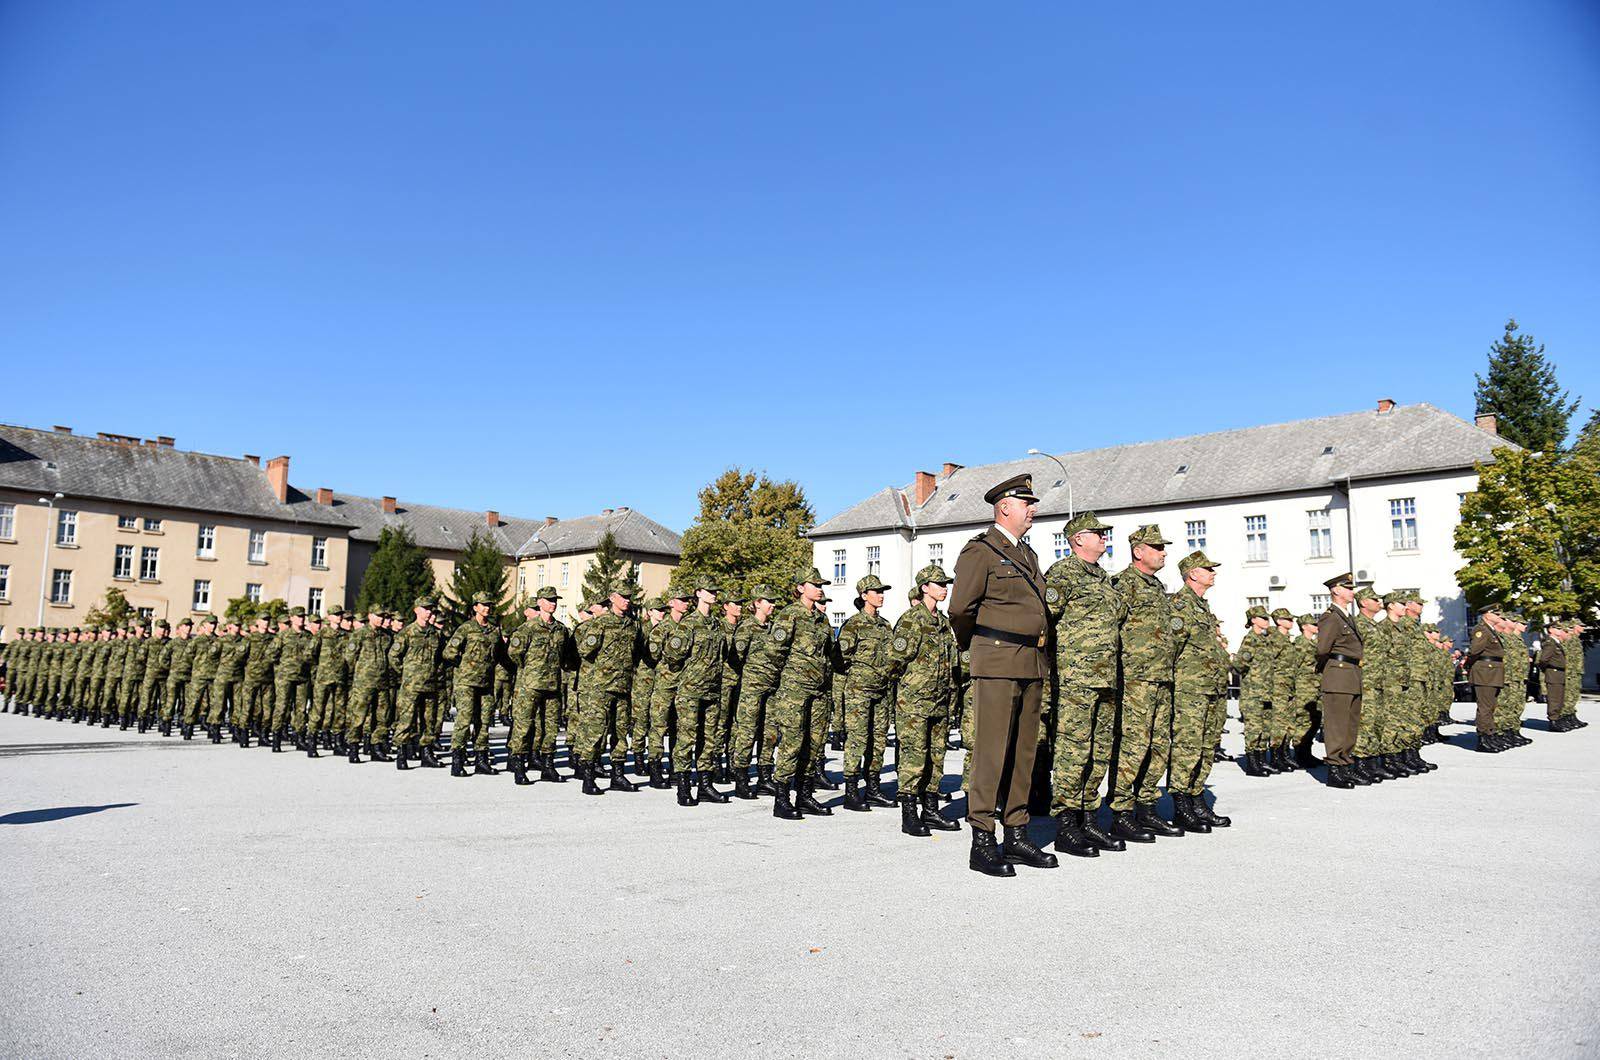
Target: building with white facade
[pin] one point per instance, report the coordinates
(1281, 507)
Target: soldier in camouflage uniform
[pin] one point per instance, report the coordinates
(1572, 645)
(922, 665)
(1281, 710)
(1304, 710)
(644, 679)
(475, 647)
(116, 658)
(99, 656)
(154, 684)
(259, 660)
(606, 647)
(800, 708)
(291, 677)
(759, 662)
(1514, 693)
(179, 661)
(1370, 737)
(1420, 654)
(366, 656)
(66, 674)
(1253, 660)
(1399, 695)
(323, 716)
(664, 690)
(728, 703)
(1200, 695)
(415, 655)
(864, 669)
(696, 648)
(540, 649)
(202, 674)
(133, 673)
(225, 688)
(1087, 613)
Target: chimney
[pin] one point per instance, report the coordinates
(388, 506)
(605, 512)
(1384, 405)
(925, 484)
(491, 518)
(1486, 421)
(324, 495)
(949, 469)
(166, 441)
(61, 430)
(255, 460)
(278, 478)
(549, 520)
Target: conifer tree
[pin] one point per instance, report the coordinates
(1521, 390)
(398, 574)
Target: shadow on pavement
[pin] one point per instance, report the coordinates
(12, 750)
(57, 813)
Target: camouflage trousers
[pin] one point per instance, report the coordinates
(257, 702)
(1509, 704)
(416, 716)
(1196, 727)
(754, 734)
(1085, 726)
(866, 731)
(1371, 735)
(727, 709)
(172, 696)
(1292, 719)
(106, 698)
(601, 715)
(663, 718)
(801, 719)
(639, 720)
(222, 692)
(836, 718)
(919, 748)
(695, 730)
(288, 698)
(474, 717)
(197, 703)
(529, 707)
(150, 694)
(967, 731)
(1259, 723)
(1144, 742)
(383, 711)
(327, 709)
(360, 707)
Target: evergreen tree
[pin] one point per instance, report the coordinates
(240, 609)
(750, 529)
(1521, 390)
(609, 572)
(274, 610)
(481, 569)
(114, 610)
(398, 574)
(1588, 443)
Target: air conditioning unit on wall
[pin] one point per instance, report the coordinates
(1275, 582)
(1362, 576)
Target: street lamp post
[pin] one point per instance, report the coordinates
(44, 568)
(1071, 508)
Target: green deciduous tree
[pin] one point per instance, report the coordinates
(481, 569)
(1521, 390)
(1588, 443)
(398, 574)
(114, 610)
(750, 529)
(609, 572)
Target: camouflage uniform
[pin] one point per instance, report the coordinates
(1144, 730)
(667, 644)
(1200, 692)
(260, 658)
(1254, 661)
(1306, 688)
(474, 648)
(539, 650)
(328, 669)
(644, 679)
(292, 677)
(1514, 694)
(202, 676)
(180, 659)
(699, 682)
(231, 658)
(1088, 613)
(154, 684)
(760, 666)
(1374, 660)
(366, 657)
(864, 663)
(923, 662)
(133, 675)
(415, 655)
(799, 708)
(606, 646)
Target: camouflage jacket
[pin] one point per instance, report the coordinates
(1088, 613)
(327, 657)
(644, 663)
(261, 655)
(180, 659)
(924, 660)
(204, 657)
(760, 657)
(232, 656)
(1516, 660)
(1147, 631)
(864, 652)
(802, 637)
(1573, 647)
(157, 659)
(475, 649)
(1371, 651)
(701, 676)
(1253, 660)
(414, 655)
(1201, 662)
(730, 660)
(669, 648)
(294, 654)
(539, 650)
(366, 654)
(1301, 661)
(1282, 666)
(138, 653)
(117, 658)
(606, 646)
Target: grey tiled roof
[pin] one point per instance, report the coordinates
(634, 531)
(1277, 458)
(79, 466)
(449, 529)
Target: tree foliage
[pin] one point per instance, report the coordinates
(1521, 390)
(1588, 443)
(114, 610)
(750, 529)
(609, 572)
(243, 610)
(481, 569)
(398, 574)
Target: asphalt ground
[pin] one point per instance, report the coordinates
(176, 899)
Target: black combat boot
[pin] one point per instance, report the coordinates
(1252, 764)
(1207, 814)
(1397, 765)
(620, 782)
(1149, 819)
(1102, 839)
(658, 776)
(1124, 825)
(1219, 755)
(723, 776)
(707, 793)
(819, 779)
(910, 823)
(548, 771)
(214, 732)
(1339, 777)
(482, 767)
(836, 741)
(1021, 851)
(1186, 817)
(782, 808)
(685, 795)
(1577, 722)
(741, 784)
(852, 796)
(375, 753)
(354, 755)
(519, 769)
(807, 802)
(277, 741)
(986, 857)
(1415, 758)
(402, 753)
(872, 791)
(1070, 838)
(765, 785)
(931, 816)
(427, 759)
(1290, 758)
(458, 762)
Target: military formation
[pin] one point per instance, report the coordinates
(1115, 687)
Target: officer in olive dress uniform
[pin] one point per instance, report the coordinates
(1339, 652)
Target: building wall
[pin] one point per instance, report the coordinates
(285, 572)
(1430, 567)
(566, 573)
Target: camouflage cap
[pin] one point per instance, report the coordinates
(335, 611)
(1306, 620)
(1280, 613)
(160, 623)
(1148, 534)
(1346, 579)
(931, 573)
(680, 592)
(656, 603)
(483, 598)
(547, 593)
(1086, 521)
(1429, 627)
(706, 585)
(1016, 486)
(1413, 596)
(427, 600)
(810, 577)
(871, 583)
(297, 612)
(1195, 560)
(1256, 611)
(186, 621)
(1366, 592)
(762, 591)
(1393, 596)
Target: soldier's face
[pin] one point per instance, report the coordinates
(1309, 630)
(873, 597)
(1286, 624)
(547, 606)
(1089, 545)
(1258, 624)
(763, 609)
(480, 612)
(620, 603)
(1204, 577)
(1342, 594)
(1370, 607)
(810, 592)
(1414, 610)
(935, 591)
(1150, 557)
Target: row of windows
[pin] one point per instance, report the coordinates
(205, 536)
(61, 590)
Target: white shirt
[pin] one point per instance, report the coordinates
(1007, 534)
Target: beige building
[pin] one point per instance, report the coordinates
(560, 551)
(180, 533)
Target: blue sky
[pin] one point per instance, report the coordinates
(553, 258)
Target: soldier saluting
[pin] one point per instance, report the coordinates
(998, 611)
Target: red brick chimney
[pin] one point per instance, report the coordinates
(278, 477)
(491, 518)
(388, 506)
(324, 495)
(59, 429)
(1486, 421)
(925, 484)
(253, 459)
(949, 469)
(1385, 404)
(166, 441)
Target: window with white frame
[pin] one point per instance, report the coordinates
(122, 562)
(319, 552)
(1255, 538)
(8, 521)
(149, 563)
(152, 525)
(66, 527)
(258, 547)
(1059, 546)
(202, 594)
(252, 592)
(146, 613)
(837, 618)
(5, 581)
(839, 566)
(538, 576)
(314, 601)
(1461, 500)
(1111, 544)
(1194, 532)
(936, 553)
(566, 573)
(522, 582)
(205, 542)
(1257, 601)
(60, 586)
(636, 573)
(1319, 525)
(127, 522)
(1320, 602)
(1403, 523)
(874, 559)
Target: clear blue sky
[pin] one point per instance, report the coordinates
(553, 258)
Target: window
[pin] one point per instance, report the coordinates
(1319, 525)
(538, 575)
(122, 562)
(1461, 500)
(202, 594)
(522, 582)
(127, 522)
(146, 613)
(936, 553)
(61, 587)
(8, 520)
(837, 618)
(1194, 532)
(252, 592)
(566, 570)
(1058, 544)
(152, 525)
(1320, 602)
(636, 572)
(66, 527)
(258, 547)
(1403, 523)
(1255, 538)
(1258, 601)
(205, 544)
(5, 581)
(314, 601)
(838, 566)
(319, 553)
(149, 561)
(874, 559)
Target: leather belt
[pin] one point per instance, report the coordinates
(1344, 658)
(1022, 639)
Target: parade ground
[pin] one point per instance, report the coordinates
(165, 898)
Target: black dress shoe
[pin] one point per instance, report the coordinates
(985, 856)
(1021, 851)
(1152, 821)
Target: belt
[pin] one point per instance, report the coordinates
(1023, 639)
(1344, 658)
